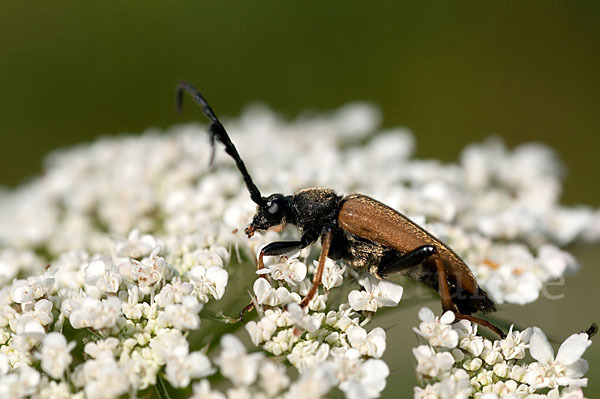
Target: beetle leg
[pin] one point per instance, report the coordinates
(278, 248)
(246, 308)
(326, 243)
(285, 247)
(273, 249)
(406, 261)
(447, 303)
(282, 247)
(482, 322)
(443, 287)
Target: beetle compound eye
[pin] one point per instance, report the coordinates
(274, 208)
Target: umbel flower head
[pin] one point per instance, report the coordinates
(112, 262)
(472, 366)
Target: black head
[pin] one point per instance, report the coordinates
(273, 212)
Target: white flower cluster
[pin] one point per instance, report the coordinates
(457, 363)
(108, 259)
(136, 312)
(317, 337)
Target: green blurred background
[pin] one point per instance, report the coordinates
(452, 71)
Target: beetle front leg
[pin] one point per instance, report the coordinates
(283, 247)
(326, 243)
(273, 249)
(278, 248)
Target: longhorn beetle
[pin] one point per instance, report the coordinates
(363, 232)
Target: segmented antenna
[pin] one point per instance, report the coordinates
(218, 131)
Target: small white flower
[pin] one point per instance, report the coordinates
(572, 392)
(136, 246)
(361, 379)
(32, 288)
(182, 366)
(513, 286)
(55, 354)
(34, 318)
(430, 363)
(4, 364)
(102, 274)
(313, 383)
(174, 292)
(273, 378)
(281, 342)
(103, 378)
(565, 369)
(267, 295)
(341, 319)
(429, 392)
(209, 280)
(491, 353)
(105, 347)
(332, 274)
(262, 330)
(302, 319)
(96, 314)
(556, 262)
(183, 316)
(468, 339)
(202, 390)
(306, 354)
(21, 384)
(148, 271)
(515, 343)
(372, 344)
(455, 385)
(54, 390)
(377, 293)
(130, 302)
(290, 270)
(165, 342)
(438, 331)
(237, 365)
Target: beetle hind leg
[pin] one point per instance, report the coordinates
(463, 303)
(448, 304)
(406, 261)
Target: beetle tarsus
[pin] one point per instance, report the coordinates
(247, 308)
(481, 322)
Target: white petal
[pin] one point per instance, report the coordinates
(391, 290)
(577, 369)
(34, 326)
(447, 318)
(539, 347)
(573, 347)
(93, 271)
(357, 300)
(261, 286)
(425, 314)
(356, 335)
(230, 342)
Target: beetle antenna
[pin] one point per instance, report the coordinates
(218, 131)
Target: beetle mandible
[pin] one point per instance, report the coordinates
(363, 232)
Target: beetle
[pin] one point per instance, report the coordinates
(361, 231)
